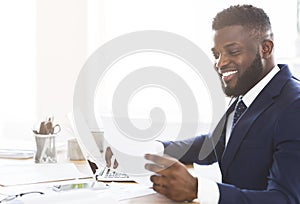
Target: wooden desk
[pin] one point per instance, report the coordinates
(150, 199)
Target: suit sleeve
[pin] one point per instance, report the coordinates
(188, 151)
(284, 173)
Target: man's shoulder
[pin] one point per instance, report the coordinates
(292, 88)
(289, 98)
(284, 90)
(287, 84)
(292, 92)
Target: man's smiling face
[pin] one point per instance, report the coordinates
(238, 60)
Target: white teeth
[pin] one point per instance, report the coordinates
(225, 74)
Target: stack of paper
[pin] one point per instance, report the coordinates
(37, 173)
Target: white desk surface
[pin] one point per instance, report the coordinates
(83, 167)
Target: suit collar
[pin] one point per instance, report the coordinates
(264, 99)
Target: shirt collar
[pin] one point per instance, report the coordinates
(249, 97)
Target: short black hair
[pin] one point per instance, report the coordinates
(253, 18)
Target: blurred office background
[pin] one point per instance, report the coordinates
(45, 43)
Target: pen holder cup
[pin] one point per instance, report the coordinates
(45, 148)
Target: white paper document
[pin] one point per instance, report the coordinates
(123, 191)
(72, 197)
(16, 153)
(36, 173)
(129, 150)
(114, 193)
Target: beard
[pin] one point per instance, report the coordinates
(252, 75)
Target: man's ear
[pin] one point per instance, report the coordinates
(267, 48)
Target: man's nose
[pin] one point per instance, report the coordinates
(222, 61)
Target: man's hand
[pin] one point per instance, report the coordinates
(173, 179)
(108, 156)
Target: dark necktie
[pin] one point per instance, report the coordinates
(238, 111)
(239, 107)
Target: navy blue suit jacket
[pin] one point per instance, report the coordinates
(261, 163)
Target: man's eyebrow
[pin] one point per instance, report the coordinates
(231, 44)
(226, 46)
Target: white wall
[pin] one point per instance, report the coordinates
(70, 31)
(192, 19)
(44, 44)
(17, 67)
(61, 52)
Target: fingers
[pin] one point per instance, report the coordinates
(160, 189)
(177, 184)
(158, 180)
(155, 168)
(116, 164)
(160, 163)
(159, 184)
(108, 156)
(161, 160)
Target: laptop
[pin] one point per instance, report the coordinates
(93, 155)
(104, 173)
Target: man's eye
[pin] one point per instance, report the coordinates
(234, 52)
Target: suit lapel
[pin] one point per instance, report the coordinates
(259, 105)
(217, 138)
(240, 131)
